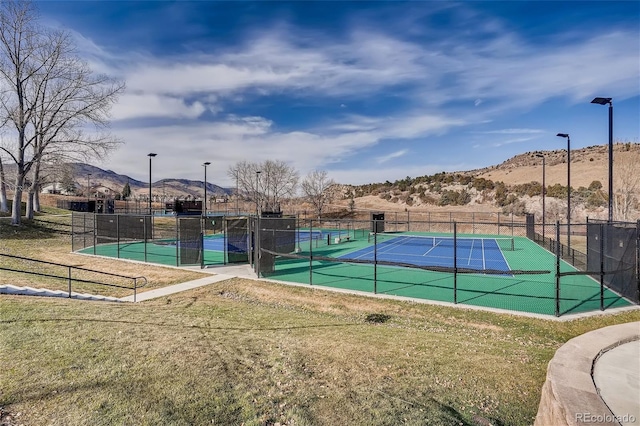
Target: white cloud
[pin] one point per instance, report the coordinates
(513, 131)
(131, 106)
(358, 176)
(511, 141)
(503, 71)
(438, 84)
(391, 156)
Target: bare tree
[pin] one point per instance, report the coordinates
(48, 95)
(266, 184)
(317, 189)
(3, 189)
(627, 183)
(280, 181)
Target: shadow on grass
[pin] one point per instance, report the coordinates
(196, 327)
(29, 229)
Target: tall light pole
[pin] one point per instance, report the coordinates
(566, 135)
(257, 202)
(604, 101)
(268, 203)
(205, 188)
(544, 191)
(88, 189)
(237, 191)
(150, 155)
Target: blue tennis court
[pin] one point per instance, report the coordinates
(472, 253)
(216, 242)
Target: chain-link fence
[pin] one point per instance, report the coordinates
(504, 265)
(176, 241)
(613, 251)
(513, 265)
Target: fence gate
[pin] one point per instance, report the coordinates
(275, 235)
(190, 240)
(620, 244)
(237, 239)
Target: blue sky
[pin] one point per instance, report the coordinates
(369, 91)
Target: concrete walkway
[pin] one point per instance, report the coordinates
(616, 374)
(219, 273)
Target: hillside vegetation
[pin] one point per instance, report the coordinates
(512, 187)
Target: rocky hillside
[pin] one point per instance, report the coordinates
(515, 186)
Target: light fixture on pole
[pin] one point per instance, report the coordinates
(257, 201)
(566, 135)
(204, 205)
(150, 155)
(604, 101)
(544, 191)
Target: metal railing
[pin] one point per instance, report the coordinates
(69, 278)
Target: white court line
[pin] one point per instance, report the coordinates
(471, 252)
(432, 248)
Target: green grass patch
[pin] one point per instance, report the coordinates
(257, 353)
(47, 238)
(253, 353)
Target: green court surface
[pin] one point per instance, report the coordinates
(533, 293)
(525, 293)
(160, 252)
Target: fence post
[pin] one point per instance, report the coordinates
(69, 276)
(455, 263)
(638, 258)
(177, 240)
(95, 232)
(225, 231)
(201, 250)
(258, 246)
(557, 296)
(473, 222)
(73, 248)
(135, 289)
(310, 251)
(512, 223)
(144, 226)
(601, 267)
(375, 257)
(118, 235)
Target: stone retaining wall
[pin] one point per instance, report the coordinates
(569, 388)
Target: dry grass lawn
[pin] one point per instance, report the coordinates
(256, 353)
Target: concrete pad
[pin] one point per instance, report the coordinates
(616, 375)
(575, 393)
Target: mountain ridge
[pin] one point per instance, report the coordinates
(588, 164)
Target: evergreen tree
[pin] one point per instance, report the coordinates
(126, 191)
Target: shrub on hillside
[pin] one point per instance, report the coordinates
(531, 189)
(454, 198)
(481, 184)
(500, 194)
(427, 198)
(515, 207)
